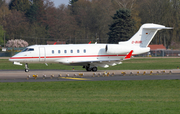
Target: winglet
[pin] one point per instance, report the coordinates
(129, 55)
(55, 43)
(89, 42)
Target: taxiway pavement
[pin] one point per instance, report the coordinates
(66, 75)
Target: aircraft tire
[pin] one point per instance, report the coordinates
(94, 69)
(88, 69)
(26, 70)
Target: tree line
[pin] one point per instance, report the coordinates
(82, 21)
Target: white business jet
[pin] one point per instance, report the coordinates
(90, 56)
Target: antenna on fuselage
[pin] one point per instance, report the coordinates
(96, 39)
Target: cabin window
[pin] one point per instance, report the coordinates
(59, 51)
(65, 51)
(71, 51)
(78, 51)
(84, 50)
(52, 51)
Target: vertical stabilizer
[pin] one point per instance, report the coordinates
(145, 34)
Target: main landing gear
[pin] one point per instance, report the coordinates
(26, 67)
(94, 69)
(88, 68)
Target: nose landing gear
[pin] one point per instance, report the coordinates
(26, 67)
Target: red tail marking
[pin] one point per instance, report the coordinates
(89, 42)
(129, 55)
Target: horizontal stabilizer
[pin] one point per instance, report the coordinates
(158, 28)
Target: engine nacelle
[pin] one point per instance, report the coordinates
(121, 49)
(141, 50)
(116, 49)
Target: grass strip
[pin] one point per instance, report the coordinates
(91, 97)
(133, 64)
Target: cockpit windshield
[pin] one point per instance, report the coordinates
(27, 49)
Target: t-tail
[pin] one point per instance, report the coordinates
(145, 34)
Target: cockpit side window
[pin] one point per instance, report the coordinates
(28, 49)
(31, 49)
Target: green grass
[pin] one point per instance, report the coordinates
(91, 97)
(94, 97)
(148, 63)
(133, 64)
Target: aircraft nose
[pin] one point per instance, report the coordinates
(11, 58)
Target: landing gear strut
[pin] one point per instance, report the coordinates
(26, 67)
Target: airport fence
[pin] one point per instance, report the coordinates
(161, 53)
(10, 52)
(155, 53)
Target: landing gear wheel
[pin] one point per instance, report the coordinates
(88, 69)
(26, 70)
(94, 69)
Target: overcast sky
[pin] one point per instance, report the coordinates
(59, 2)
(56, 2)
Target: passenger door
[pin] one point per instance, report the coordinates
(42, 54)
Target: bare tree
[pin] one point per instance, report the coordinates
(16, 24)
(126, 4)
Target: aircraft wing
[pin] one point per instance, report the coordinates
(100, 63)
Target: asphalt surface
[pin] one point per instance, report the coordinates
(64, 75)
